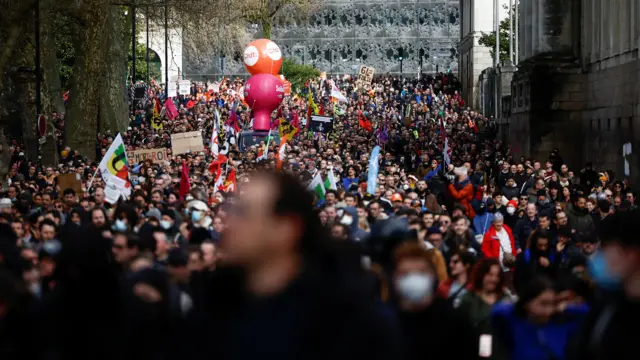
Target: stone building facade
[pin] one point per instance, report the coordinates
(577, 87)
(476, 17)
(345, 34)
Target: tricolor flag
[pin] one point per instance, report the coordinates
(330, 181)
(317, 186)
(335, 93)
(114, 168)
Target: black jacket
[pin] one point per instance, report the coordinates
(610, 331)
(438, 332)
(319, 316)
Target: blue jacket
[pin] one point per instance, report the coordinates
(524, 340)
(482, 223)
(346, 182)
(432, 173)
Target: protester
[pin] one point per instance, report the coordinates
(533, 327)
(202, 252)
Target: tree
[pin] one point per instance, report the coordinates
(141, 64)
(489, 39)
(266, 13)
(298, 74)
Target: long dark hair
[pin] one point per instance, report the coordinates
(534, 288)
(480, 270)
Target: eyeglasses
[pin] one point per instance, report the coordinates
(445, 222)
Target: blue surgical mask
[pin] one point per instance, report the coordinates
(166, 224)
(120, 225)
(196, 216)
(601, 274)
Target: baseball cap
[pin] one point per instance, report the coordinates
(5, 203)
(433, 230)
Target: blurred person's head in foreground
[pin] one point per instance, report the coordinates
(272, 230)
(617, 265)
(414, 277)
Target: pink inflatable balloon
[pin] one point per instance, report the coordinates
(263, 93)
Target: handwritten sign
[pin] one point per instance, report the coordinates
(71, 181)
(155, 155)
(365, 75)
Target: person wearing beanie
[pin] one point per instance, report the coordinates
(510, 213)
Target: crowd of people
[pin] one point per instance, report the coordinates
(460, 251)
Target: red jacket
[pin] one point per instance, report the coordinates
(491, 243)
(464, 196)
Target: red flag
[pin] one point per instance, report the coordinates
(321, 111)
(157, 105)
(365, 123)
(190, 104)
(230, 184)
(171, 110)
(233, 118)
(443, 131)
(215, 165)
(185, 186)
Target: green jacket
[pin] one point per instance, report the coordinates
(580, 222)
(479, 312)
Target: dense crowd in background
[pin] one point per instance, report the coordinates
(462, 251)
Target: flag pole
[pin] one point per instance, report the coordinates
(92, 178)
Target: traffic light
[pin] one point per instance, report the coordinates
(400, 53)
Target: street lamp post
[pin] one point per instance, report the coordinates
(222, 60)
(147, 52)
(133, 44)
(166, 48)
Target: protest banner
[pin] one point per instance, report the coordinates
(157, 156)
(188, 142)
(365, 75)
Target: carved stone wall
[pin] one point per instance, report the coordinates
(346, 34)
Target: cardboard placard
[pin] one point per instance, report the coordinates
(365, 75)
(188, 142)
(184, 87)
(157, 156)
(71, 181)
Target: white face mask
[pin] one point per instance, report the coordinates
(511, 210)
(166, 224)
(414, 287)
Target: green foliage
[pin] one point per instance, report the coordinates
(298, 74)
(489, 39)
(65, 49)
(141, 63)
